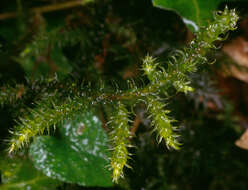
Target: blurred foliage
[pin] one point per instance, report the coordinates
(19, 173)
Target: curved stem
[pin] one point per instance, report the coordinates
(48, 8)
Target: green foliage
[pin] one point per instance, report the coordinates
(77, 153)
(186, 61)
(18, 174)
(195, 12)
(81, 147)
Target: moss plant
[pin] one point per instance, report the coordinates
(165, 79)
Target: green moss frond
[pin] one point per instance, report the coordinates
(190, 58)
(41, 118)
(120, 137)
(162, 123)
(150, 67)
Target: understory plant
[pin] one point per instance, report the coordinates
(90, 118)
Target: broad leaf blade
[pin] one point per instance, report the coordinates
(79, 156)
(193, 11)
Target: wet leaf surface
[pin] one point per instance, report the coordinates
(195, 12)
(79, 156)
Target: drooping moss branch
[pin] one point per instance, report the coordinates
(162, 123)
(120, 137)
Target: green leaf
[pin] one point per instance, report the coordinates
(79, 156)
(19, 174)
(194, 12)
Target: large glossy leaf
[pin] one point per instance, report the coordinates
(79, 156)
(19, 174)
(195, 12)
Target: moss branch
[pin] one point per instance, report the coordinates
(46, 114)
(120, 135)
